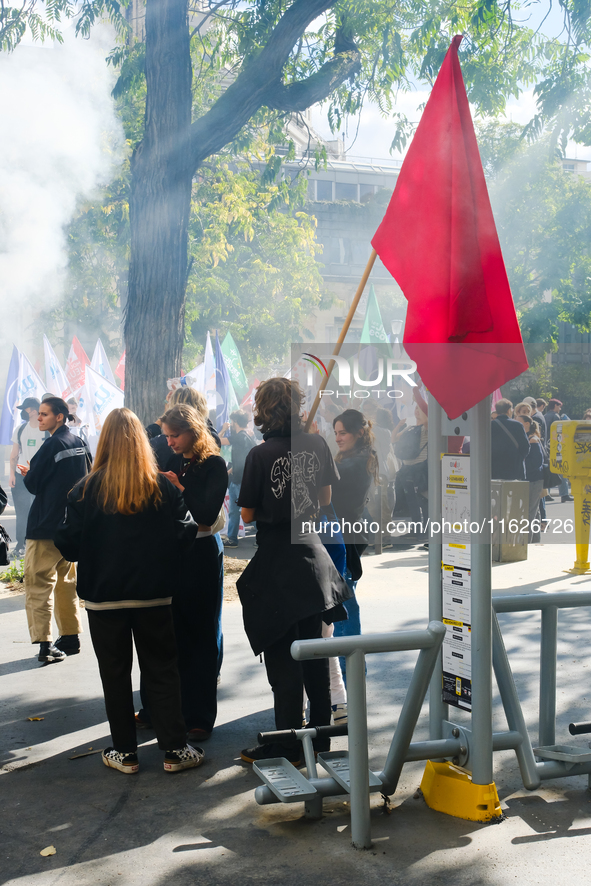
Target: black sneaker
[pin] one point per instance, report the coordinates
(69, 644)
(566, 498)
(183, 758)
(48, 652)
(123, 762)
(269, 751)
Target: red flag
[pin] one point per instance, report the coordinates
(439, 241)
(76, 365)
(120, 370)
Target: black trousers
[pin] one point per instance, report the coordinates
(288, 678)
(152, 631)
(196, 604)
(22, 500)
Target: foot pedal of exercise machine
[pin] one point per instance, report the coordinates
(288, 785)
(336, 764)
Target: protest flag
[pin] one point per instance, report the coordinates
(235, 367)
(103, 397)
(120, 370)
(76, 364)
(55, 378)
(210, 378)
(100, 363)
(373, 331)
(439, 241)
(9, 402)
(222, 386)
(29, 382)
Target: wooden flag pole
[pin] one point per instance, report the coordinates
(341, 338)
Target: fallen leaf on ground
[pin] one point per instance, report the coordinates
(35, 718)
(49, 850)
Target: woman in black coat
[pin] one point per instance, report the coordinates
(200, 473)
(126, 526)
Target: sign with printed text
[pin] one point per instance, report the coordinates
(456, 587)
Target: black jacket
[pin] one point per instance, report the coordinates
(509, 448)
(55, 469)
(3, 500)
(126, 557)
(241, 444)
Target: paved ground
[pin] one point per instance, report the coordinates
(203, 826)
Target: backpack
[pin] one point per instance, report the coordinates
(408, 446)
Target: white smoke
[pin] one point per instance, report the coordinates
(60, 140)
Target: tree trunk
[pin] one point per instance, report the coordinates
(160, 199)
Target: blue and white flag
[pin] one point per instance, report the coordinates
(103, 397)
(100, 363)
(210, 378)
(10, 400)
(29, 383)
(55, 377)
(222, 387)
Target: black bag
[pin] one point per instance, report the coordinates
(408, 445)
(550, 479)
(4, 542)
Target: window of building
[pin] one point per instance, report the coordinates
(366, 192)
(324, 190)
(346, 191)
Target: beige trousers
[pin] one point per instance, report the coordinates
(49, 580)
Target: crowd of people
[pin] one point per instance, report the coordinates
(140, 545)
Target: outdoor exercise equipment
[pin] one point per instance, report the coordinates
(570, 456)
(349, 770)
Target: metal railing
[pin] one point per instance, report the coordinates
(355, 649)
(533, 772)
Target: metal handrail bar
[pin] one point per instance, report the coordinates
(541, 600)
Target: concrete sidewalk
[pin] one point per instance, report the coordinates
(203, 826)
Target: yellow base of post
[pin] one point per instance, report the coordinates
(449, 789)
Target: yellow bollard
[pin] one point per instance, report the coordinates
(570, 456)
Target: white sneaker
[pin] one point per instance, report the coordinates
(339, 714)
(183, 758)
(127, 763)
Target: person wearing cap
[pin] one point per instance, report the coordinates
(49, 578)
(26, 441)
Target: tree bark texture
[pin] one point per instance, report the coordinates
(159, 206)
(165, 161)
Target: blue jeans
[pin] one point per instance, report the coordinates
(233, 512)
(352, 626)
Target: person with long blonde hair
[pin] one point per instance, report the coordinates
(126, 525)
(200, 473)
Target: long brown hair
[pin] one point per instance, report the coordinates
(354, 422)
(182, 418)
(124, 475)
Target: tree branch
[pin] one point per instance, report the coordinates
(299, 96)
(253, 86)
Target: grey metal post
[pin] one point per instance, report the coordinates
(481, 757)
(548, 652)
(411, 709)
(358, 753)
(513, 711)
(438, 711)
